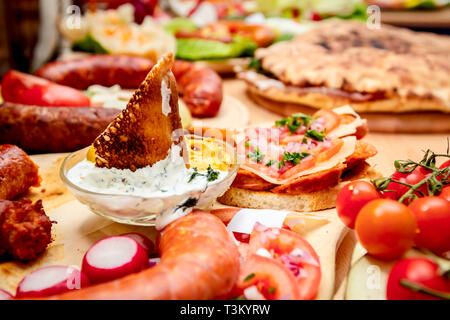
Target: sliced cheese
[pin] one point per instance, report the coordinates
(244, 220)
(347, 149)
(349, 128)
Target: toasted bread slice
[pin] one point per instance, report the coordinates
(303, 202)
(142, 134)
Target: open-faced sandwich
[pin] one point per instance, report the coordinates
(299, 163)
(374, 71)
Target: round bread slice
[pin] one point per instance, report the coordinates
(304, 202)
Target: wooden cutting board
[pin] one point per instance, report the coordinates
(77, 228)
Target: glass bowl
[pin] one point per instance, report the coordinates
(138, 210)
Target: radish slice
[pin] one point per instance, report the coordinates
(51, 280)
(153, 262)
(145, 242)
(5, 295)
(114, 257)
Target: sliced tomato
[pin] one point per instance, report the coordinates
(295, 253)
(331, 119)
(18, 87)
(270, 278)
(327, 153)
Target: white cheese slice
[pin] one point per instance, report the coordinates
(244, 220)
(349, 128)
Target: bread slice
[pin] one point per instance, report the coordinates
(142, 133)
(304, 202)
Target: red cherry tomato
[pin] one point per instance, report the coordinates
(412, 178)
(386, 228)
(18, 87)
(445, 165)
(292, 251)
(418, 271)
(351, 198)
(269, 277)
(433, 220)
(445, 193)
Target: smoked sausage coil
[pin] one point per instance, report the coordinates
(52, 129)
(17, 172)
(199, 260)
(200, 87)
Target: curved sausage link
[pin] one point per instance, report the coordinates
(104, 69)
(49, 129)
(17, 172)
(199, 260)
(200, 87)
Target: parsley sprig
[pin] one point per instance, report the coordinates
(433, 183)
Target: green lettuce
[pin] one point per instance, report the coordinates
(179, 23)
(89, 44)
(204, 49)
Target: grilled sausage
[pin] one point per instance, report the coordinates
(199, 260)
(17, 172)
(52, 129)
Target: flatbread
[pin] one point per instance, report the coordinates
(142, 133)
(402, 69)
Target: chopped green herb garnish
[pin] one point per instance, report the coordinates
(256, 155)
(247, 144)
(194, 174)
(314, 134)
(211, 174)
(239, 298)
(270, 163)
(271, 290)
(295, 122)
(293, 157)
(251, 275)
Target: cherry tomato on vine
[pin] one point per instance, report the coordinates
(445, 165)
(418, 272)
(433, 220)
(386, 228)
(351, 198)
(445, 193)
(412, 178)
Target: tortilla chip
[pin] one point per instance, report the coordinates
(142, 133)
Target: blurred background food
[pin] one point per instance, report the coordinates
(196, 29)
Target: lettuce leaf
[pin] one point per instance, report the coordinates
(179, 23)
(89, 44)
(203, 49)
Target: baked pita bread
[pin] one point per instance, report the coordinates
(142, 133)
(405, 70)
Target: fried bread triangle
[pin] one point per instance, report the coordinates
(142, 133)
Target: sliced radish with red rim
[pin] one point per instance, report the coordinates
(52, 280)
(114, 257)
